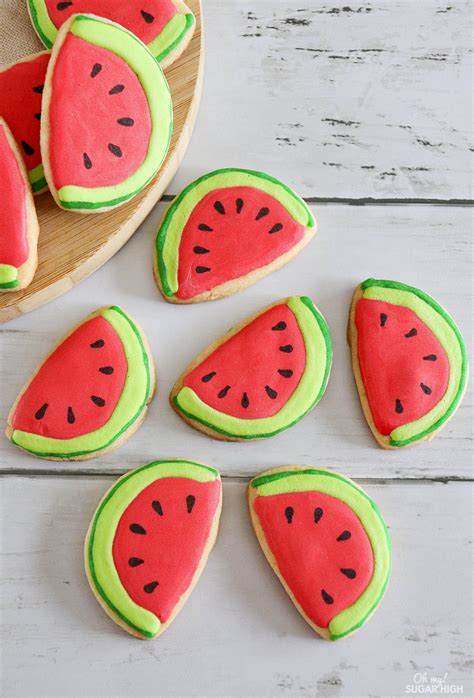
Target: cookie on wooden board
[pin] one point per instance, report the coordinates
(19, 226)
(261, 377)
(149, 541)
(326, 541)
(107, 116)
(90, 394)
(21, 90)
(409, 361)
(165, 26)
(225, 231)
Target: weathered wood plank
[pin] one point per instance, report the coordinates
(427, 246)
(370, 99)
(238, 635)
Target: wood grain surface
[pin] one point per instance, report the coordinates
(72, 246)
(428, 246)
(238, 634)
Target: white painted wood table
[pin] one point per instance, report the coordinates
(351, 104)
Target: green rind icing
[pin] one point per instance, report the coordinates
(169, 233)
(444, 329)
(42, 22)
(352, 618)
(99, 555)
(310, 389)
(166, 41)
(131, 50)
(37, 179)
(171, 35)
(8, 276)
(133, 400)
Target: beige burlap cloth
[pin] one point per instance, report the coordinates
(17, 36)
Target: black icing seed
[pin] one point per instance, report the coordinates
(202, 270)
(276, 228)
(264, 211)
(287, 348)
(137, 528)
(38, 89)
(345, 535)
(279, 326)
(63, 5)
(412, 333)
(289, 512)
(150, 587)
(222, 393)
(270, 392)
(87, 161)
(147, 17)
(206, 228)
(98, 344)
(125, 121)
(245, 402)
(42, 411)
(29, 150)
(135, 561)
(116, 89)
(426, 389)
(348, 572)
(99, 401)
(115, 150)
(156, 506)
(430, 357)
(219, 206)
(239, 204)
(71, 417)
(398, 406)
(208, 377)
(318, 512)
(327, 598)
(383, 319)
(106, 370)
(96, 68)
(285, 372)
(190, 502)
(200, 250)
(38, 116)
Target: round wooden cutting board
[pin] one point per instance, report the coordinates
(72, 246)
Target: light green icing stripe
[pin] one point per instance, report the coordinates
(171, 35)
(130, 406)
(42, 22)
(104, 525)
(130, 49)
(170, 231)
(309, 391)
(8, 276)
(37, 179)
(371, 519)
(442, 326)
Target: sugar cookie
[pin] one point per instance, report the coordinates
(149, 541)
(409, 361)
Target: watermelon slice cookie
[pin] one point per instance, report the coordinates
(261, 377)
(91, 392)
(327, 543)
(107, 115)
(149, 540)
(21, 90)
(165, 26)
(225, 231)
(18, 221)
(409, 361)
